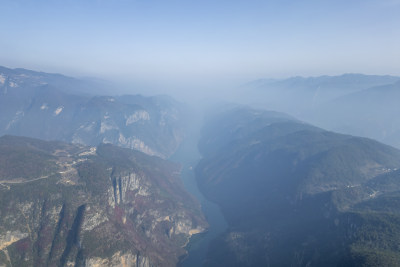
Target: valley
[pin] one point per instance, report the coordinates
(131, 180)
(255, 133)
(189, 156)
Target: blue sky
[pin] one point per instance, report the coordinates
(215, 40)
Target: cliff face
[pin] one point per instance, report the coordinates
(83, 206)
(55, 107)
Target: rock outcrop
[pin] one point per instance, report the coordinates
(103, 206)
(52, 107)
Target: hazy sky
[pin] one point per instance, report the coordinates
(209, 39)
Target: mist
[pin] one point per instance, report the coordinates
(202, 133)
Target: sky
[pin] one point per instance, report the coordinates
(197, 41)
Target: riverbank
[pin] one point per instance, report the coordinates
(188, 156)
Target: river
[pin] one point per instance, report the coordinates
(188, 156)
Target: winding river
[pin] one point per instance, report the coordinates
(188, 155)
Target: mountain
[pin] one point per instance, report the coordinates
(356, 104)
(10, 79)
(49, 106)
(370, 112)
(297, 195)
(298, 94)
(71, 205)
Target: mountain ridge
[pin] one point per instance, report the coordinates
(287, 188)
(50, 111)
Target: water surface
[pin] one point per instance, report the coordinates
(188, 155)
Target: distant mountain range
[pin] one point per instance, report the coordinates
(296, 94)
(355, 104)
(296, 195)
(371, 112)
(23, 78)
(55, 107)
(72, 205)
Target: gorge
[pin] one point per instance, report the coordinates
(131, 180)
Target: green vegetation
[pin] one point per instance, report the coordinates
(296, 195)
(25, 162)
